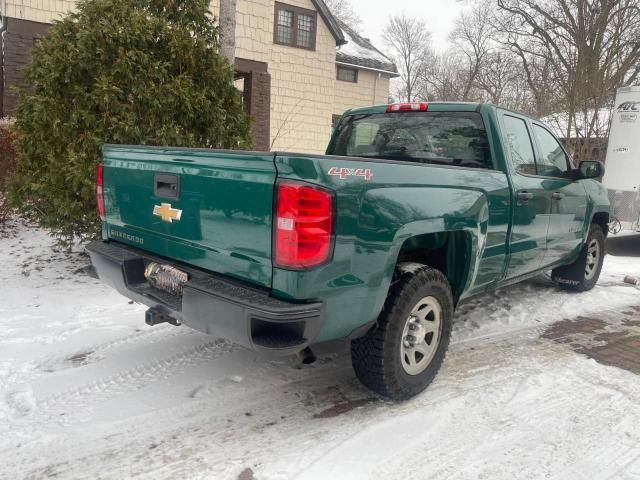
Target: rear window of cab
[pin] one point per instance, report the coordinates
(444, 138)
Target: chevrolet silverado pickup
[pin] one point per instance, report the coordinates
(414, 208)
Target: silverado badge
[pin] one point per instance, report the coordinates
(166, 213)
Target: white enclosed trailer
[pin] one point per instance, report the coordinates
(622, 172)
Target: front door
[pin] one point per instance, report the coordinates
(568, 198)
(531, 202)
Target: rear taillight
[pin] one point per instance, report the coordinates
(408, 107)
(99, 190)
(303, 226)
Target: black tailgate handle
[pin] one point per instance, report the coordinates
(167, 185)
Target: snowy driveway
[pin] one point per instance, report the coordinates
(87, 390)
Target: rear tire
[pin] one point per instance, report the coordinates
(583, 274)
(402, 355)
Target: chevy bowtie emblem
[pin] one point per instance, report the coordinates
(166, 213)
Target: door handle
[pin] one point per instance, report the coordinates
(524, 197)
(557, 196)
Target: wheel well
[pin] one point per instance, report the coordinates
(449, 252)
(602, 219)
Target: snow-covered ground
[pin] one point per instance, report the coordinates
(87, 390)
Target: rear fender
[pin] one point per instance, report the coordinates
(453, 221)
(376, 216)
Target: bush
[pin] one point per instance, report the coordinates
(117, 71)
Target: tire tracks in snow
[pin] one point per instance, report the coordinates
(71, 405)
(93, 351)
(225, 417)
(10, 378)
(228, 415)
(267, 422)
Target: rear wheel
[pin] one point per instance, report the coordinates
(583, 274)
(403, 354)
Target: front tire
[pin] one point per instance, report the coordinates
(583, 274)
(402, 355)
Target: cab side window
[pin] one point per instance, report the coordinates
(552, 161)
(518, 143)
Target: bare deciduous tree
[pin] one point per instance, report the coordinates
(443, 79)
(343, 11)
(582, 50)
(473, 37)
(542, 57)
(409, 42)
(501, 81)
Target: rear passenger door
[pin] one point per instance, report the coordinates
(531, 200)
(568, 197)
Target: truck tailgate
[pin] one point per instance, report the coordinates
(208, 208)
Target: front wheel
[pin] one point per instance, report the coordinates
(402, 355)
(583, 274)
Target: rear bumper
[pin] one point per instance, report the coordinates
(212, 303)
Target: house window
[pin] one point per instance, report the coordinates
(284, 31)
(295, 26)
(348, 74)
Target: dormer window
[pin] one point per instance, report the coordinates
(295, 26)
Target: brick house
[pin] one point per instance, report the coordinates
(297, 66)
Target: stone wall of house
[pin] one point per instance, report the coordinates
(254, 81)
(43, 11)
(302, 81)
(372, 88)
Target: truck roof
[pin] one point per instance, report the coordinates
(439, 107)
(433, 106)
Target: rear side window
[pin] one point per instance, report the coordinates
(553, 162)
(518, 143)
(446, 138)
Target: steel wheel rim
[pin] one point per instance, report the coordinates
(593, 258)
(421, 336)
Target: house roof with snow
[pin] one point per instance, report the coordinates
(360, 52)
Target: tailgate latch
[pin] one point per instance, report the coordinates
(167, 185)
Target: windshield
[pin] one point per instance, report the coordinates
(448, 138)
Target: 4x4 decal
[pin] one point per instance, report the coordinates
(343, 173)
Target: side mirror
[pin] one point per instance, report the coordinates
(589, 169)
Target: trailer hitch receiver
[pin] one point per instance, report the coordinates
(156, 316)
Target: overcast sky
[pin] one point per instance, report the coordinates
(439, 15)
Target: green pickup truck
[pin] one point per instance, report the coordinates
(414, 208)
